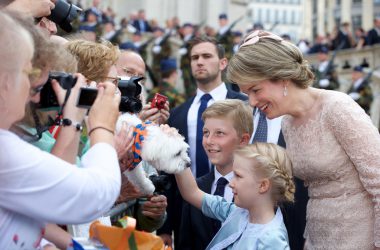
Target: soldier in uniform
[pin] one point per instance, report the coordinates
(360, 90)
(224, 35)
(187, 33)
(161, 50)
(167, 87)
(325, 74)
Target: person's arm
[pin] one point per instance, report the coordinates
(56, 235)
(189, 188)
(361, 141)
(67, 143)
(35, 8)
(46, 188)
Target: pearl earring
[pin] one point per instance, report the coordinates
(285, 91)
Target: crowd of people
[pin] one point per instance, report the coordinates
(279, 160)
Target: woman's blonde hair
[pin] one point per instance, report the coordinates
(239, 112)
(269, 59)
(94, 59)
(273, 163)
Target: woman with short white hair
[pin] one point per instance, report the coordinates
(37, 187)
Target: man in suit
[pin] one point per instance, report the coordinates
(266, 130)
(373, 36)
(141, 24)
(207, 62)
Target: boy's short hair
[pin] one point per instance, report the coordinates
(239, 112)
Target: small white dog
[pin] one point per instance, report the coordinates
(160, 146)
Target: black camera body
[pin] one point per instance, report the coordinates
(48, 97)
(130, 89)
(161, 183)
(64, 13)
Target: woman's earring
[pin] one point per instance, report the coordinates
(285, 91)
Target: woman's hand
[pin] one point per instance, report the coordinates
(36, 8)
(71, 111)
(104, 113)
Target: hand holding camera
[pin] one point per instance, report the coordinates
(104, 113)
(70, 111)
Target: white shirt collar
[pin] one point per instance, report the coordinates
(217, 94)
(228, 176)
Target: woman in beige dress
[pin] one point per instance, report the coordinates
(331, 141)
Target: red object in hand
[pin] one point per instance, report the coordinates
(159, 101)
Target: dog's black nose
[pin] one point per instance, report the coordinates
(188, 164)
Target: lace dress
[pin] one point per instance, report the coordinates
(336, 152)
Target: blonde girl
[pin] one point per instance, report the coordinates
(262, 180)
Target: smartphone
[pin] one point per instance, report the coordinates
(86, 97)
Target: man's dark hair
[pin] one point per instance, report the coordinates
(206, 39)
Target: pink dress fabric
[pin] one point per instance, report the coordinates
(336, 151)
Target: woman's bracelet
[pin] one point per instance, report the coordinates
(100, 127)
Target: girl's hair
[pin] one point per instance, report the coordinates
(273, 163)
(269, 59)
(239, 112)
(94, 59)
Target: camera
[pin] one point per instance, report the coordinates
(130, 92)
(160, 182)
(64, 13)
(130, 89)
(48, 97)
(159, 101)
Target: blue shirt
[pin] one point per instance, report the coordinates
(236, 231)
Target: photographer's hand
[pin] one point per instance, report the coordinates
(67, 143)
(71, 111)
(104, 113)
(155, 207)
(36, 8)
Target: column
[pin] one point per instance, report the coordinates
(346, 11)
(321, 10)
(307, 29)
(367, 14)
(331, 6)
